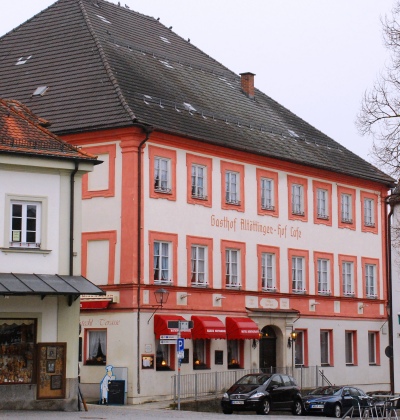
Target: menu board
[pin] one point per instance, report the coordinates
(51, 370)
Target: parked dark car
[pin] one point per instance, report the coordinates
(263, 392)
(335, 401)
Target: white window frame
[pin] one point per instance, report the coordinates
(19, 238)
(346, 208)
(94, 339)
(322, 204)
(232, 187)
(162, 262)
(267, 194)
(268, 271)
(349, 347)
(199, 265)
(323, 271)
(372, 342)
(324, 339)
(369, 216)
(348, 278)
(370, 281)
(232, 268)
(298, 272)
(298, 199)
(162, 175)
(199, 181)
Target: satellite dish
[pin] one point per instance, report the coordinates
(389, 351)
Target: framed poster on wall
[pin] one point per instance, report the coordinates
(51, 370)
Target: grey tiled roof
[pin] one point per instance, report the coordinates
(107, 67)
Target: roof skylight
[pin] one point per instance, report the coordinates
(165, 39)
(22, 60)
(40, 91)
(103, 19)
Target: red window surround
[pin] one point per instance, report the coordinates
(241, 247)
(232, 167)
(265, 249)
(154, 152)
(207, 163)
(306, 279)
(262, 173)
(364, 227)
(208, 242)
(294, 180)
(352, 193)
(328, 188)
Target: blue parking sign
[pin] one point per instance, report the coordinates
(180, 344)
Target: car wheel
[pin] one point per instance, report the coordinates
(297, 408)
(265, 407)
(227, 411)
(337, 411)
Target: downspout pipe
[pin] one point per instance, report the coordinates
(71, 217)
(392, 203)
(148, 130)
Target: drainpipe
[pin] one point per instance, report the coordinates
(148, 130)
(391, 203)
(71, 218)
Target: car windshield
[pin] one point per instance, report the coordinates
(253, 379)
(330, 390)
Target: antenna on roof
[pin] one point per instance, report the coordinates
(126, 6)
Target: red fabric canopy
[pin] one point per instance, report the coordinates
(208, 327)
(161, 326)
(241, 329)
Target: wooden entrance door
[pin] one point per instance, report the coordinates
(268, 348)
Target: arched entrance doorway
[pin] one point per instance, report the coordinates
(267, 348)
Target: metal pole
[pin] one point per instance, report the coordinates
(179, 369)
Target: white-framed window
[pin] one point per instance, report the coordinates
(369, 217)
(232, 268)
(25, 224)
(299, 349)
(323, 275)
(346, 207)
(372, 343)
(199, 354)
(162, 356)
(162, 175)
(267, 194)
(199, 181)
(370, 280)
(268, 271)
(198, 261)
(297, 199)
(348, 278)
(349, 347)
(162, 262)
(232, 186)
(298, 274)
(324, 347)
(233, 354)
(96, 347)
(322, 204)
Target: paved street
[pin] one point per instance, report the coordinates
(138, 412)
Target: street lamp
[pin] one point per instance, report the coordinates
(291, 339)
(161, 296)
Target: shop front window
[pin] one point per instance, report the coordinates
(233, 354)
(199, 354)
(17, 344)
(162, 356)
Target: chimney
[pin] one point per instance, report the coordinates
(247, 82)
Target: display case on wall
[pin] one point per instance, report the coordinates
(17, 348)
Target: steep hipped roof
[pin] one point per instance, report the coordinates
(22, 132)
(106, 66)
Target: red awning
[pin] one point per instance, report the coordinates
(241, 329)
(208, 327)
(95, 303)
(161, 326)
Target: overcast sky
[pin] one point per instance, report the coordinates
(315, 57)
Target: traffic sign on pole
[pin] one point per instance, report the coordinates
(180, 345)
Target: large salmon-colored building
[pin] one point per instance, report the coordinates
(252, 222)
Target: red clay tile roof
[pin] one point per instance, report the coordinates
(22, 132)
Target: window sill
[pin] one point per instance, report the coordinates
(26, 250)
(269, 289)
(372, 296)
(163, 282)
(94, 363)
(233, 287)
(199, 197)
(163, 369)
(200, 285)
(299, 291)
(321, 217)
(324, 293)
(200, 367)
(166, 191)
(235, 366)
(268, 208)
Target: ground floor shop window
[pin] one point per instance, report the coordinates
(164, 357)
(96, 347)
(17, 345)
(234, 354)
(201, 354)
